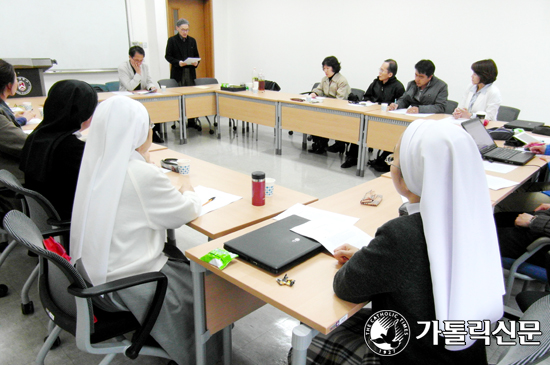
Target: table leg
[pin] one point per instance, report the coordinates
(227, 345)
(199, 309)
(301, 339)
(183, 122)
(218, 126)
(304, 141)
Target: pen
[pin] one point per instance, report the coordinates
(209, 200)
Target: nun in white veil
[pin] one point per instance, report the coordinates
(123, 206)
(440, 262)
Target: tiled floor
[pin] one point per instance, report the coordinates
(263, 337)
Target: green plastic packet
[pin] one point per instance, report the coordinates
(219, 257)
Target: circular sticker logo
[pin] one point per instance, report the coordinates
(24, 86)
(387, 333)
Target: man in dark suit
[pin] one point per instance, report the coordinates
(180, 47)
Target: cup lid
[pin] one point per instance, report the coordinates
(258, 175)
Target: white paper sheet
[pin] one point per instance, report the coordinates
(332, 235)
(499, 167)
(496, 183)
(221, 199)
(34, 121)
(454, 121)
(125, 93)
(404, 111)
(190, 60)
(313, 214)
(17, 109)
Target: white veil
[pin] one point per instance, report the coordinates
(120, 125)
(441, 163)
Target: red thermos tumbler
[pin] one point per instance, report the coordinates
(258, 188)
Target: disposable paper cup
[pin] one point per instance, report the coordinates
(249, 86)
(183, 166)
(269, 187)
(384, 107)
(27, 105)
(163, 88)
(41, 110)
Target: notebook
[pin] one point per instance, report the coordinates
(489, 149)
(523, 124)
(275, 247)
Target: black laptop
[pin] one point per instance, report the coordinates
(489, 149)
(275, 247)
(523, 124)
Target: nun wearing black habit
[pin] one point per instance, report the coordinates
(53, 152)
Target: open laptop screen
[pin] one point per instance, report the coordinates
(475, 128)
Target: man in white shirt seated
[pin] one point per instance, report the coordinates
(134, 74)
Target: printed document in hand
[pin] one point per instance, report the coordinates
(221, 199)
(191, 60)
(332, 235)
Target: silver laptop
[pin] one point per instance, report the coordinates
(275, 247)
(488, 148)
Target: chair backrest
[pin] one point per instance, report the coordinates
(56, 273)
(358, 92)
(206, 81)
(272, 85)
(40, 209)
(315, 85)
(168, 83)
(519, 354)
(112, 85)
(507, 113)
(100, 88)
(450, 106)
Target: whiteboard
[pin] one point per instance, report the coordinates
(79, 34)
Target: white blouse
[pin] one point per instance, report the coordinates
(487, 101)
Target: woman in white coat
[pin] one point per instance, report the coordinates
(483, 97)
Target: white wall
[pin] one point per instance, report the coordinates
(290, 39)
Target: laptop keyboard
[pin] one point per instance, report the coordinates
(503, 153)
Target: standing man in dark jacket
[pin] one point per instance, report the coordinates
(180, 47)
(386, 88)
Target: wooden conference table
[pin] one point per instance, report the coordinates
(239, 214)
(311, 300)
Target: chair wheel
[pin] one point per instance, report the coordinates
(3, 290)
(199, 128)
(211, 131)
(235, 128)
(310, 138)
(248, 129)
(173, 126)
(290, 133)
(27, 308)
(215, 124)
(55, 344)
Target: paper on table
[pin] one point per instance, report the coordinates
(404, 111)
(191, 60)
(502, 168)
(121, 92)
(496, 183)
(453, 120)
(221, 199)
(34, 121)
(332, 235)
(17, 109)
(313, 214)
(203, 87)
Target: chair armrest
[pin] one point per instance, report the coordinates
(59, 223)
(141, 335)
(538, 244)
(116, 285)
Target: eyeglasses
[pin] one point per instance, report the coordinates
(389, 161)
(184, 30)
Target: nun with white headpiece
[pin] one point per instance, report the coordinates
(439, 263)
(123, 206)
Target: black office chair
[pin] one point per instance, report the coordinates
(358, 93)
(45, 217)
(113, 85)
(168, 83)
(450, 106)
(70, 302)
(507, 114)
(100, 88)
